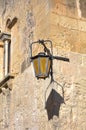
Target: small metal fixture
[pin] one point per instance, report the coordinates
(43, 61)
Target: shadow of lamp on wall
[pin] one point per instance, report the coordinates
(43, 68)
(53, 104)
(53, 100)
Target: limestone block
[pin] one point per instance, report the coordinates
(82, 42)
(82, 26)
(68, 22)
(59, 8)
(84, 60)
(75, 58)
(54, 18)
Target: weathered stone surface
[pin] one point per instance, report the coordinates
(36, 104)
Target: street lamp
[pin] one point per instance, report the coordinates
(42, 64)
(43, 61)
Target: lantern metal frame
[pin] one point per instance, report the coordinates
(48, 53)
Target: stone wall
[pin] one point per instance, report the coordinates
(31, 104)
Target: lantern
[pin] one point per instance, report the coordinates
(41, 64)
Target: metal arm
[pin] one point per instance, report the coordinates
(50, 53)
(61, 58)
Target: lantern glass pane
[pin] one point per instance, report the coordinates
(48, 65)
(43, 65)
(36, 68)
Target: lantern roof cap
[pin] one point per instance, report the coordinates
(41, 54)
